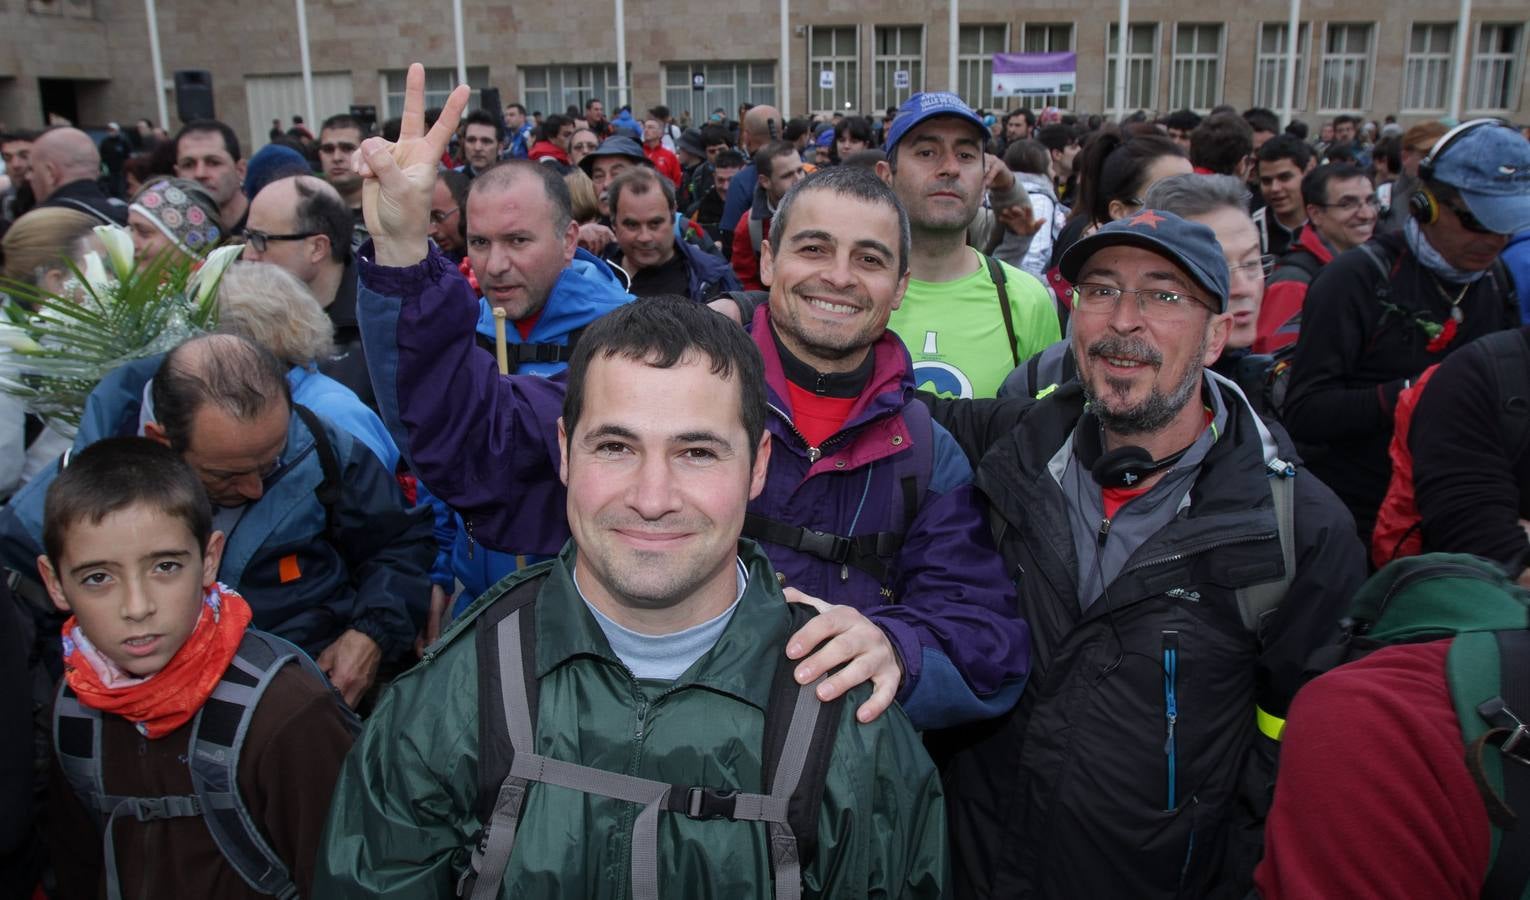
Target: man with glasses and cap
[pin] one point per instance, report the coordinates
(1379, 315)
(1176, 566)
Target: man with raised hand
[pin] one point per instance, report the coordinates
(867, 504)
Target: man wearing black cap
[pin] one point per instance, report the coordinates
(1176, 567)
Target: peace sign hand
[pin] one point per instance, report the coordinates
(398, 177)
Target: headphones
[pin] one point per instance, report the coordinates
(1123, 467)
(1422, 205)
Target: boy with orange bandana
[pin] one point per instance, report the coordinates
(194, 756)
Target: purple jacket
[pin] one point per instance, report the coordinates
(487, 445)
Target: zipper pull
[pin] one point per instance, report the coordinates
(1104, 531)
(844, 572)
(814, 454)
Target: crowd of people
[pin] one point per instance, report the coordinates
(946, 504)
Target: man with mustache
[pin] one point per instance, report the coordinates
(967, 318)
(1175, 566)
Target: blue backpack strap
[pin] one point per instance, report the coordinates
(218, 735)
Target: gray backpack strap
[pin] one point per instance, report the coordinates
(77, 743)
(1258, 600)
(756, 233)
(218, 736)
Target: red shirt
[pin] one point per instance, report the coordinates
(816, 416)
(525, 325)
(666, 162)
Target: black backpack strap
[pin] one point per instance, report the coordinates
(1509, 357)
(328, 490)
(797, 768)
(505, 639)
(864, 551)
(1509, 876)
(996, 273)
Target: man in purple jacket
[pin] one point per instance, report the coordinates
(867, 513)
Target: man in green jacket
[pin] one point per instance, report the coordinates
(651, 651)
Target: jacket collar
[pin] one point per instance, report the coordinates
(741, 663)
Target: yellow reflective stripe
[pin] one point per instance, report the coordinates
(1272, 727)
(1041, 394)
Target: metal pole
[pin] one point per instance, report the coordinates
(461, 52)
(159, 66)
(955, 26)
(621, 53)
(1458, 71)
(786, 60)
(308, 108)
(1293, 35)
(1124, 18)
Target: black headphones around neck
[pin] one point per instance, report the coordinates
(1123, 467)
(1422, 204)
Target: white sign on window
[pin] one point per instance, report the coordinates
(826, 79)
(900, 79)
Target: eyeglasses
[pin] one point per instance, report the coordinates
(1163, 306)
(1350, 204)
(1260, 268)
(341, 147)
(1468, 221)
(259, 239)
(438, 216)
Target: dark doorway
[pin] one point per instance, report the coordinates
(58, 97)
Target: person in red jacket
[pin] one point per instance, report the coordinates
(1374, 797)
(779, 168)
(1341, 215)
(653, 147)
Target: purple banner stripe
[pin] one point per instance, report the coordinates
(1034, 63)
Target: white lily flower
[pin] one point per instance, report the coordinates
(14, 338)
(95, 272)
(205, 280)
(119, 248)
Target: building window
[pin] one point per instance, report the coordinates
(976, 45)
(837, 52)
(899, 48)
(1345, 83)
(727, 84)
(1426, 71)
(1495, 67)
(438, 85)
(1270, 66)
(1047, 38)
(552, 89)
(1196, 79)
(1141, 66)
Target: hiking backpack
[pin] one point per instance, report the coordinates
(1438, 596)
(798, 745)
(1398, 522)
(217, 737)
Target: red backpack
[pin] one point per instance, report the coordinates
(1398, 522)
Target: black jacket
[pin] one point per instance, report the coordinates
(1067, 796)
(86, 196)
(1361, 340)
(349, 364)
(1471, 485)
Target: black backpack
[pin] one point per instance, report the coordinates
(798, 745)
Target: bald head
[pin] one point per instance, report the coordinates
(761, 125)
(308, 206)
(225, 371)
(61, 156)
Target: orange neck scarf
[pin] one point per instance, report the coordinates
(160, 703)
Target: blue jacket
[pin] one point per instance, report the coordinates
(367, 574)
(488, 445)
(586, 290)
(340, 406)
(1516, 258)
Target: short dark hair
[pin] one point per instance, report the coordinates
(774, 150)
(552, 125)
(730, 159)
(659, 112)
(1028, 156)
(712, 135)
(1023, 112)
(11, 137)
(662, 332)
(1298, 129)
(1220, 143)
(592, 101)
(1287, 146)
(114, 474)
(484, 117)
(639, 180)
(210, 126)
(867, 158)
(502, 174)
(233, 374)
(1057, 137)
(1261, 119)
(856, 183)
(343, 120)
(857, 128)
(1390, 150)
(796, 128)
(1181, 120)
(322, 212)
(1346, 119)
(516, 106)
(1315, 183)
(1345, 152)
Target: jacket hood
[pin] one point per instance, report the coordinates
(586, 290)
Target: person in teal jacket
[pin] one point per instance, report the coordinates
(658, 633)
